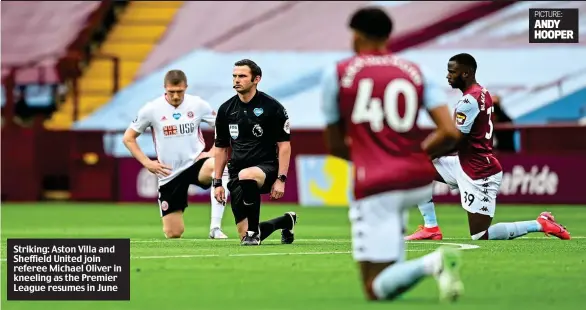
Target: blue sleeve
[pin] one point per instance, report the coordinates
(329, 96)
(433, 94)
(466, 112)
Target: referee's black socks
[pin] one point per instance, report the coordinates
(251, 203)
(281, 222)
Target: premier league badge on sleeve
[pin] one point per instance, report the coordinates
(287, 127)
(233, 131)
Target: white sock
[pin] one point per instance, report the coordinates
(398, 278)
(218, 208)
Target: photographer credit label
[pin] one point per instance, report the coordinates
(553, 26)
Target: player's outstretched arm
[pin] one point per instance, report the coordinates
(212, 151)
(155, 167)
(209, 117)
(129, 140)
(335, 141)
(220, 160)
(284, 156)
(445, 137)
(221, 145)
(335, 133)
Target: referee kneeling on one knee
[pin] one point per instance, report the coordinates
(256, 126)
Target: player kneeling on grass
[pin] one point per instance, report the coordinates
(371, 103)
(175, 119)
(474, 170)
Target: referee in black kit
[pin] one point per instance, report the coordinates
(256, 126)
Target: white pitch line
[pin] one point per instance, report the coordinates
(232, 240)
(319, 240)
(462, 246)
(236, 255)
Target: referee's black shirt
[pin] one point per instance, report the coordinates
(252, 129)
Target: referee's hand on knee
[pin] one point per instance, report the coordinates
(220, 194)
(278, 190)
(157, 168)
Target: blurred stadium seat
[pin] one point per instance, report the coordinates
(126, 47)
(499, 40)
(39, 35)
(230, 31)
(99, 62)
(209, 63)
(139, 27)
(208, 57)
(40, 32)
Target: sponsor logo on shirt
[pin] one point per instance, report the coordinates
(170, 130)
(183, 129)
(460, 118)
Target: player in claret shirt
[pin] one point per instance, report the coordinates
(474, 169)
(371, 103)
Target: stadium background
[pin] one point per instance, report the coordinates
(75, 73)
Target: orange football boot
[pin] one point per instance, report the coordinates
(426, 233)
(551, 227)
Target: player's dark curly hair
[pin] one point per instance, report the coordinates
(373, 22)
(465, 59)
(254, 68)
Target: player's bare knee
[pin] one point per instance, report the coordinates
(253, 173)
(173, 226)
(206, 172)
(208, 166)
(173, 233)
(247, 174)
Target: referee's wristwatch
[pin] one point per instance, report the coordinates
(282, 178)
(217, 183)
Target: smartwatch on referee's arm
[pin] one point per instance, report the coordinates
(217, 183)
(282, 178)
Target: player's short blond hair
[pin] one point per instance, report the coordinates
(175, 77)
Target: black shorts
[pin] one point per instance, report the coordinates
(271, 171)
(173, 195)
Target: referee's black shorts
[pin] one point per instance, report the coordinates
(173, 195)
(271, 171)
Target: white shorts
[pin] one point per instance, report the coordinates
(379, 221)
(476, 196)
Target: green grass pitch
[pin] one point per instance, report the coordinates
(316, 272)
